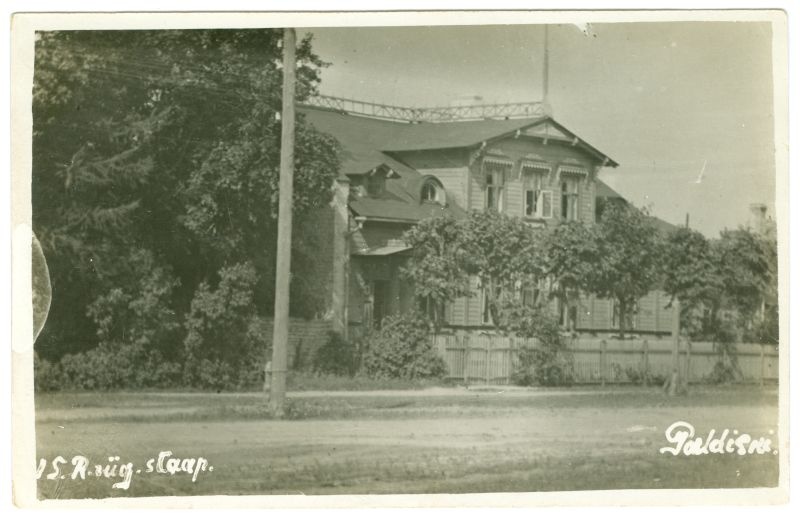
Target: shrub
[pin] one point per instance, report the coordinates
(225, 338)
(46, 374)
(726, 369)
(337, 357)
(401, 349)
(548, 363)
(105, 368)
(637, 376)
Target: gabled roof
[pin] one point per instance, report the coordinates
(365, 139)
(369, 143)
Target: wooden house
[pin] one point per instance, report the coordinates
(396, 173)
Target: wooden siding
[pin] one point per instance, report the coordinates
(595, 314)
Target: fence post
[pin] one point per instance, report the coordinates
(603, 362)
(645, 363)
(509, 366)
(465, 356)
(761, 380)
(487, 368)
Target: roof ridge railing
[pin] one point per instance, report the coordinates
(434, 114)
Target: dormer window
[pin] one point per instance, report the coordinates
(375, 184)
(432, 192)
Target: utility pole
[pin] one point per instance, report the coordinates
(280, 332)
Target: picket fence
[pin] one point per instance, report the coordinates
(491, 359)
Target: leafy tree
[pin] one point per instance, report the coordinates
(504, 253)
(571, 255)
(438, 266)
(691, 275)
(164, 143)
(629, 255)
(745, 262)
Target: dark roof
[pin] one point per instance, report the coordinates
(603, 190)
(368, 143)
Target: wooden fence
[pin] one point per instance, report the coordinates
(491, 359)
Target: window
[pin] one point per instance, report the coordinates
(375, 184)
(433, 310)
(486, 312)
(432, 192)
(630, 318)
(495, 176)
(568, 315)
(537, 202)
(531, 293)
(569, 198)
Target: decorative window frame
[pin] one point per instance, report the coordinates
(546, 172)
(498, 161)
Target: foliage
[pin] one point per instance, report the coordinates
(103, 368)
(337, 357)
(549, 363)
(163, 145)
(723, 285)
(225, 338)
(504, 252)
(401, 349)
(571, 254)
(638, 376)
(691, 275)
(438, 266)
(745, 262)
(629, 255)
(139, 314)
(726, 368)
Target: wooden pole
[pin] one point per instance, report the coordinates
(688, 377)
(603, 362)
(645, 363)
(280, 332)
(674, 379)
(545, 69)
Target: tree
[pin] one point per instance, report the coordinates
(628, 258)
(571, 255)
(504, 254)
(164, 143)
(730, 276)
(438, 266)
(691, 275)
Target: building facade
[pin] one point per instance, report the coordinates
(396, 173)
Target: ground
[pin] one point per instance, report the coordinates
(404, 441)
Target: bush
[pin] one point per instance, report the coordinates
(104, 368)
(548, 363)
(401, 349)
(337, 357)
(726, 369)
(637, 376)
(225, 338)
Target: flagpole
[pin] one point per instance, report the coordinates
(545, 69)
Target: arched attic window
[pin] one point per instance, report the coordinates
(432, 191)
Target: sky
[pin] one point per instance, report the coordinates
(665, 100)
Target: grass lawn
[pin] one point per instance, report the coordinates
(403, 441)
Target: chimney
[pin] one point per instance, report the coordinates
(758, 217)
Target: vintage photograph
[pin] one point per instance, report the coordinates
(431, 258)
